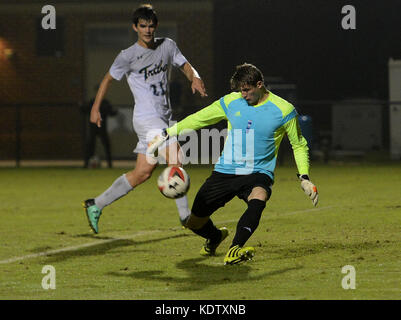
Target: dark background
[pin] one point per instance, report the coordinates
(303, 42)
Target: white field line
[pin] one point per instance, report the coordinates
(72, 248)
(135, 235)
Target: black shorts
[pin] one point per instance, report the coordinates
(220, 188)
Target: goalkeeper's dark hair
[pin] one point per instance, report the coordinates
(145, 12)
(245, 74)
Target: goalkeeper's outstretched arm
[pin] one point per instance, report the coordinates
(205, 117)
(301, 156)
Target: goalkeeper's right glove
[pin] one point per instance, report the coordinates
(156, 142)
(309, 188)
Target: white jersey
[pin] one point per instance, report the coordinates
(147, 72)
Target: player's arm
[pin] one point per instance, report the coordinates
(193, 77)
(301, 155)
(299, 145)
(95, 111)
(205, 117)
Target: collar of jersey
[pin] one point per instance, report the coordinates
(156, 39)
(264, 101)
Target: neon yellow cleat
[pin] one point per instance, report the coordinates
(210, 249)
(238, 254)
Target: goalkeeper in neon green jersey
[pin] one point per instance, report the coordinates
(257, 122)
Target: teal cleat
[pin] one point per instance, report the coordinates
(92, 213)
(184, 222)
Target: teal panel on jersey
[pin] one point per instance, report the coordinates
(251, 143)
(254, 133)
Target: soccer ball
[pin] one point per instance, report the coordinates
(173, 182)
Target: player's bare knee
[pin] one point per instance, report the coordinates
(143, 175)
(259, 193)
(137, 176)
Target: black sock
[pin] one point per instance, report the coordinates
(249, 221)
(209, 231)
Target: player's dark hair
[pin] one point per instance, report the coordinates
(145, 12)
(245, 74)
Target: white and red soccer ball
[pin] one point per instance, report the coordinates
(173, 182)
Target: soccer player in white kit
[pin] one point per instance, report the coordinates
(146, 65)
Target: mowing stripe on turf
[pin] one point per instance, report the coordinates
(137, 234)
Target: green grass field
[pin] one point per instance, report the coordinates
(141, 252)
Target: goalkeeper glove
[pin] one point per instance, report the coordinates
(309, 188)
(156, 142)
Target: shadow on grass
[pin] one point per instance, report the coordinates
(198, 275)
(91, 236)
(301, 250)
(102, 248)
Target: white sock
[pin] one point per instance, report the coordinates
(182, 205)
(118, 189)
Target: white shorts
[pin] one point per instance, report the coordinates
(147, 129)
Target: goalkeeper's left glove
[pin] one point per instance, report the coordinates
(156, 142)
(309, 188)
